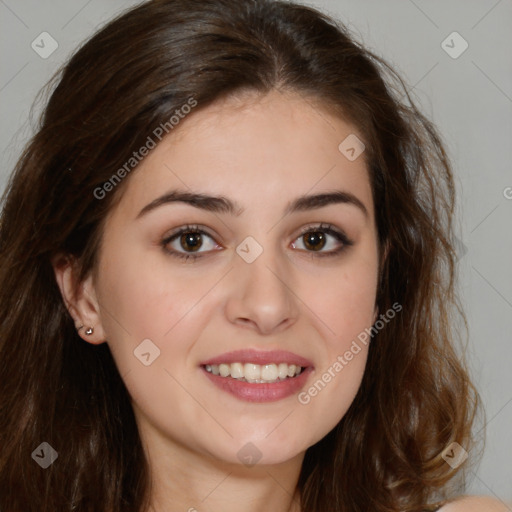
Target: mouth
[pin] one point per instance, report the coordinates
(258, 376)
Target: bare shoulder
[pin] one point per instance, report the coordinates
(476, 504)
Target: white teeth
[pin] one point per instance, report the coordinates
(283, 370)
(269, 372)
(224, 370)
(237, 370)
(255, 373)
(252, 371)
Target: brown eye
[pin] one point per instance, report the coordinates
(192, 241)
(189, 242)
(322, 240)
(315, 240)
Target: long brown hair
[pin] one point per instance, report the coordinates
(129, 78)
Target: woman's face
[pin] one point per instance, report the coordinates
(286, 274)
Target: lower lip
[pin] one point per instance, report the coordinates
(271, 392)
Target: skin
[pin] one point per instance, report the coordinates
(477, 504)
(262, 152)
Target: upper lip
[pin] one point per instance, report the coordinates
(259, 357)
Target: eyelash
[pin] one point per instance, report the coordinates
(321, 228)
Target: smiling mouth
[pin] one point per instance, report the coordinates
(255, 373)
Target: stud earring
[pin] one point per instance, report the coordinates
(89, 331)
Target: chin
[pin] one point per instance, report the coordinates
(251, 451)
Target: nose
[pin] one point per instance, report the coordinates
(262, 296)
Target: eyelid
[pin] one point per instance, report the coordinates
(327, 228)
(196, 228)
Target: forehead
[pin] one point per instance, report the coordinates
(259, 150)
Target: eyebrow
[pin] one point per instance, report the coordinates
(221, 204)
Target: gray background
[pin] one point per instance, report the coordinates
(469, 98)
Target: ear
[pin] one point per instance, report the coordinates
(80, 299)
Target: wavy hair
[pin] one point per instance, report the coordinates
(415, 398)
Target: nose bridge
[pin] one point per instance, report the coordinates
(266, 275)
(262, 294)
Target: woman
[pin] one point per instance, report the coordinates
(228, 278)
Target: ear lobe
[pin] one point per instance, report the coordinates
(80, 300)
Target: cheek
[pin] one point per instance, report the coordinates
(147, 296)
(346, 314)
(147, 301)
(152, 318)
(345, 305)
(345, 310)
(332, 389)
